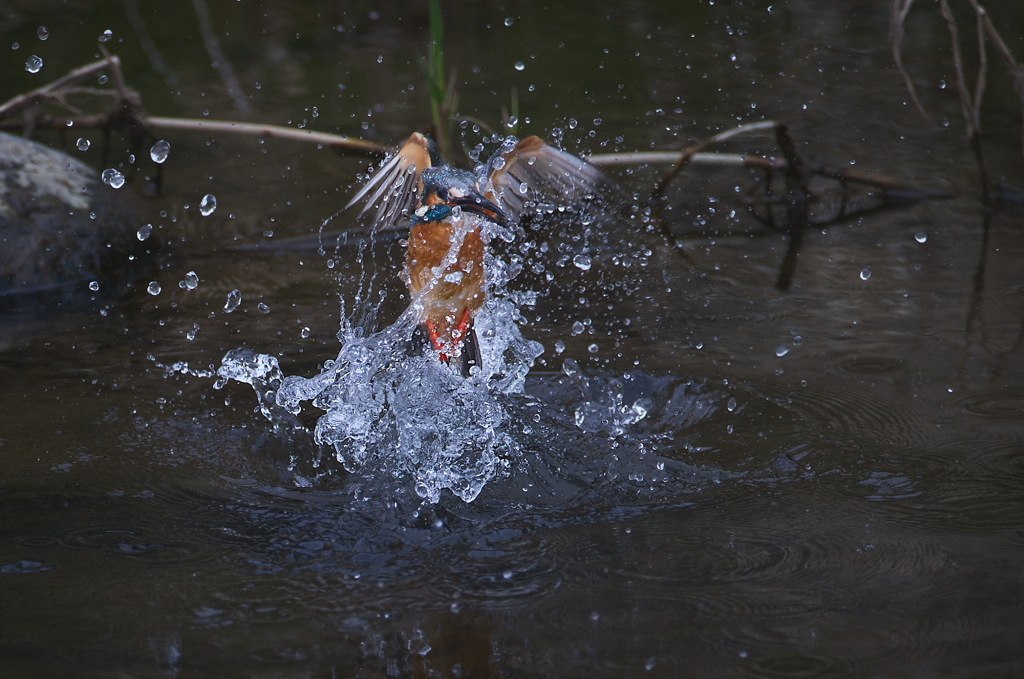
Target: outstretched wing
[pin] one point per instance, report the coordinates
(533, 169)
(393, 190)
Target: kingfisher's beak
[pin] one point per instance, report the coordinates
(474, 202)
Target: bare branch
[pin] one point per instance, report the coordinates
(898, 17)
(257, 129)
(30, 97)
(958, 65)
(683, 158)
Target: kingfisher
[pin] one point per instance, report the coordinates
(451, 213)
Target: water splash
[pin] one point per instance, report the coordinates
(160, 151)
(207, 205)
(393, 409)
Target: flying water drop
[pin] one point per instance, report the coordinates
(113, 178)
(520, 65)
(191, 281)
(234, 299)
(781, 350)
(581, 262)
(42, 33)
(920, 236)
(159, 151)
(33, 64)
(106, 36)
(94, 286)
(144, 231)
(154, 288)
(207, 205)
(865, 273)
(83, 144)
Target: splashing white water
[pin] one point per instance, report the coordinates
(404, 412)
(392, 407)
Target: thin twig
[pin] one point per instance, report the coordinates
(683, 158)
(898, 17)
(979, 82)
(958, 67)
(30, 97)
(220, 60)
(336, 140)
(1016, 69)
(669, 157)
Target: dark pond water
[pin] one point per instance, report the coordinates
(827, 480)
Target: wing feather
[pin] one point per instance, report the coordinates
(394, 189)
(533, 169)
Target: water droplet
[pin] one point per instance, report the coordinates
(581, 262)
(865, 273)
(159, 151)
(593, 348)
(305, 332)
(577, 328)
(920, 236)
(942, 84)
(649, 665)
(15, 45)
(234, 299)
(512, 122)
(559, 347)
(520, 65)
(42, 33)
(33, 64)
(207, 205)
(731, 405)
(113, 178)
(106, 36)
(781, 350)
(264, 309)
(595, 616)
(572, 123)
(94, 286)
(103, 79)
(453, 277)
(380, 58)
(144, 231)
(191, 280)
(154, 288)
(509, 21)
(83, 144)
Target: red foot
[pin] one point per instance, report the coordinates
(457, 334)
(435, 339)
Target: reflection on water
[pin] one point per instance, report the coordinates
(664, 492)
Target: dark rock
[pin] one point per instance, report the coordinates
(60, 229)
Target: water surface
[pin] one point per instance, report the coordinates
(825, 481)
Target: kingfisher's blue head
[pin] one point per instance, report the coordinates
(445, 188)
